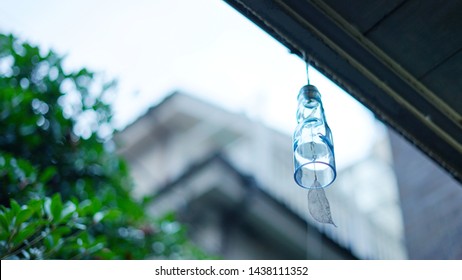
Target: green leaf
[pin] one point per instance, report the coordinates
(26, 254)
(56, 207)
(47, 207)
(68, 210)
(95, 248)
(62, 230)
(85, 207)
(23, 216)
(99, 216)
(35, 205)
(112, 215)
(80, 226)
(49, 242)
(25, 233)
(47, 174)
(15, 207)
(4, 222)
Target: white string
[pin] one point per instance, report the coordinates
(307, 72)
(305, 59)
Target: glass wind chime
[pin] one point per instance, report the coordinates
(314, 159)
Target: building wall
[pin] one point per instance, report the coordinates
(431, 203)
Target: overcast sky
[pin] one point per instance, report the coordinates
(201, 47)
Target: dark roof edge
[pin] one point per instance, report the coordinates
(450, 163)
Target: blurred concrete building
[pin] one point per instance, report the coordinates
(431, 202)
(230, 179)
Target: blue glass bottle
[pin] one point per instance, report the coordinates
(314, 159)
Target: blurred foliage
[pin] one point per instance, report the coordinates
(64, 193)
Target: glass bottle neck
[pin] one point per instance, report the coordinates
(309, 105)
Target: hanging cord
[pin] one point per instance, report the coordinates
(307, 71)
(305, 58)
